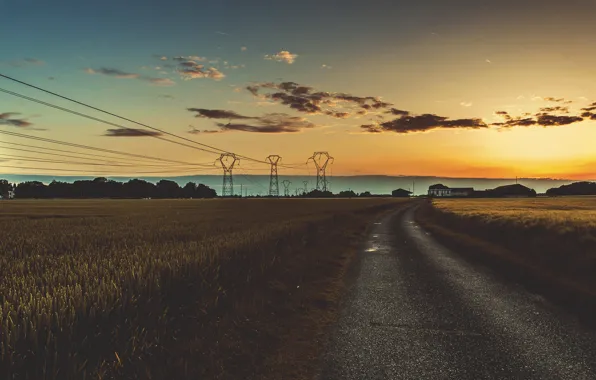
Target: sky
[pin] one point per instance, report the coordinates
(456, 88)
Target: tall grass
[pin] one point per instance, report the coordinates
(89, 287)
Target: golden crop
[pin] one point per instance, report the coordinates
(559, 213)
(77, 276)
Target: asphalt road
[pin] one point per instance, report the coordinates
(418, 311)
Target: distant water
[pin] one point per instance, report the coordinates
(259, 184)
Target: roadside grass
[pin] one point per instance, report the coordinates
(185, 289)
(546, 244)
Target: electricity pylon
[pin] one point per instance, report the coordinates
(305, 186)
(228, 160)
(321, 160)
(273, 159)
(286, 184)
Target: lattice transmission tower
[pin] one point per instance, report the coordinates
(273, 159)
(321, 160)
(305, 186)
(286, 184)
(227, 161)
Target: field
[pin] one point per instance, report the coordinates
(151, 289)
(551, 238)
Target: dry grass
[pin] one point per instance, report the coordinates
(179, 289)
(550, 242)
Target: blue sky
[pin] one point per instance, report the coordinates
(461, 60)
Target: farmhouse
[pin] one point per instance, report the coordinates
(401, 193)
(440, 190)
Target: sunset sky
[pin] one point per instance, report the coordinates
(461, 88)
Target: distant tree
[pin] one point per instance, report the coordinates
(205, 192)
(319, 194)
(366, 194)
(30, 189)
(189, 190)
(168, 189)
(138, 188)
(347, 194)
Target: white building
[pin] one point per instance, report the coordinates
(440, 190)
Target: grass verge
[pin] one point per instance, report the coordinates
(534, 257)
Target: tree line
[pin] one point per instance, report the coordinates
(104, 188)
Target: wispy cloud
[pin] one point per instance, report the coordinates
(282, 56)
(115, 73)
(26, 62)
(131, 132)
(488, 61)
(192, 70)
(160, 81)
(324, 66)
(465, 104)
(166, 96)
(243, 48)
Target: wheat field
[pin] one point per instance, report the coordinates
(87, 286)
(556, 235)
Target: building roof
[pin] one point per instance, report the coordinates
(402, 191)
(438, 186)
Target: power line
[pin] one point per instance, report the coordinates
(88, 147)
(87, 171)
(43, 159)
(67, 151)
(107, 163)
(126, 119)
(99, 120)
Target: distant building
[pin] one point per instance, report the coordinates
(440, 190)
(9, 195)
(401, 193)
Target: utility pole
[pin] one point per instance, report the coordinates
(241, 193)
(321, 160)
(227, 161)
(413, 187)
(286, 184)
(273, 159)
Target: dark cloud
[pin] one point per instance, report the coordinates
(552, 99)
(112, 72)
(217, 114)
(589, 115)
(131, 132)
(270, 123)
(552, 120)
(195, 131)
(591, 107)
(305, 99)
(395, 111)
(421, 123)
(7, 118)
(555, 109)
(516, 122)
